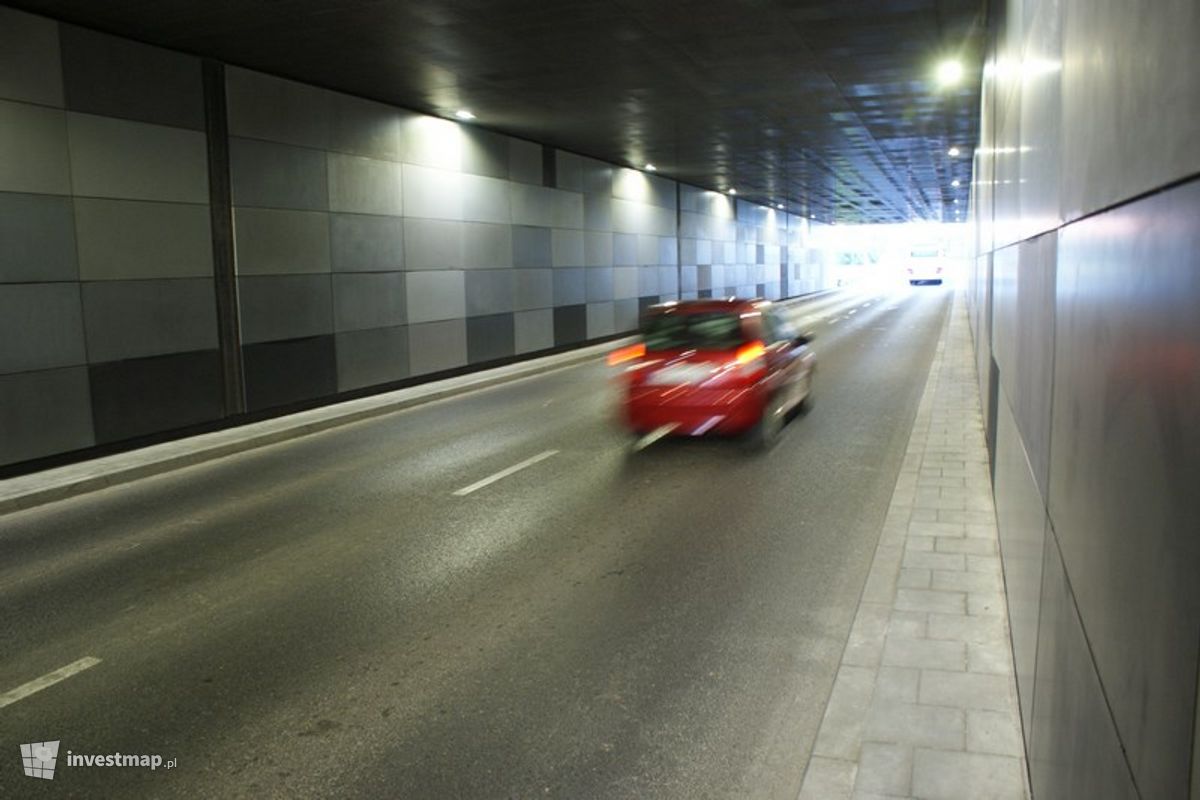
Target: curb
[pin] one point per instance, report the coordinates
(61, 483)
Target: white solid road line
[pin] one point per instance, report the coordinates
(658, 433)
(504, 473)
(47, 680)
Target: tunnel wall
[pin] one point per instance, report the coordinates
(371, 246)
(1084, 303)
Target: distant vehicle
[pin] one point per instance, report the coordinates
(722, 366)
(925, 264)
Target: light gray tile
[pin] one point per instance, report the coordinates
(922, 600)
(432, 193)
(625, 313)
(37, 238)
(362, 243)
(484, 152)
(432, 142)
(489, 291)
(435, 296)
(30, 65)
(947, 655)
(277, 307)
(532, 205)
(994, 732)
(40, 135)
(436, 346)
(906, 723)
(485, 200)
(601, 320)
(265, 107)
(130, 239)
(486, 245)
(884, 769)
(272, 242)
(533, 288)
(136, 160)
(597, 249)
(568, 210)
(371, 357)
(433, 244)
(534, 330)
(625, 282)
(597, 212)
(625, 250)
(368, 300)
(132, 319)
(44, 412)
(41, 326)
(364, 185)
(941, 775)
(966, 690)
(271, 175)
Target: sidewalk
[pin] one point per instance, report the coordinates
(924, 704)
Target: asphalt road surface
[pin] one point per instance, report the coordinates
(353, 614)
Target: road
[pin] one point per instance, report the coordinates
(327, 617)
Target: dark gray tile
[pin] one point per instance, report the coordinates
(531, 247)
(361, 243)
(131, 319)
(568, 172)
(570, 287)
(271, 241)
(484, 152)
(37, 233)
(433, 244)
(40, 135)
(150, 395)
(43, 413)
(1035, 360)
(533, 288)
(41, 326)
(136, 160)
(525, 162)
(131, 239)
(1074, 749)
(30, 64)
(437, 346)
(1125, 456)
(490, 338)
(487, 246)
(368, 300)
(570, 324)
(275, 307)
(272, 175)
(489, 291)
(289, 372)
(371, 357)
(265, 107)
(115, 77)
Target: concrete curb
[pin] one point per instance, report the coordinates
(17, 494)
(60, 483)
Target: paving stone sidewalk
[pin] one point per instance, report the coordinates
(924, 704)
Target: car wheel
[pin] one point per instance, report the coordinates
(765, 432)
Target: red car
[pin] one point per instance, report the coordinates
(723, 366)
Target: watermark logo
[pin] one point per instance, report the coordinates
(39, 759)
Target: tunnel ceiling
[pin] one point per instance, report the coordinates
(828, 106)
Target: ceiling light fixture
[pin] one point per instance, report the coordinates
(956, 183)
(953, 152)
(650, 167)
(949, 73)
(464, 114)
(732, 190)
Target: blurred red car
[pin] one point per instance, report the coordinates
(723, 366)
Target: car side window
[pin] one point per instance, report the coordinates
(781, 330)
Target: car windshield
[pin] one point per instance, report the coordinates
(719, 330)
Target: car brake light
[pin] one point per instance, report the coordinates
(630, 353)
(750, 352)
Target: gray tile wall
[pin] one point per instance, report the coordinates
(371, 244)
(1085, 295)
(107, 311)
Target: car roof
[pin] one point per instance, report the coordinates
(734, 305)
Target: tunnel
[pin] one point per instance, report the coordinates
(600, 399)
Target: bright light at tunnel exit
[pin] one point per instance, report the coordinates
(949, 73)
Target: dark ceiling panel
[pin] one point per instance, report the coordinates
(827, 105)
